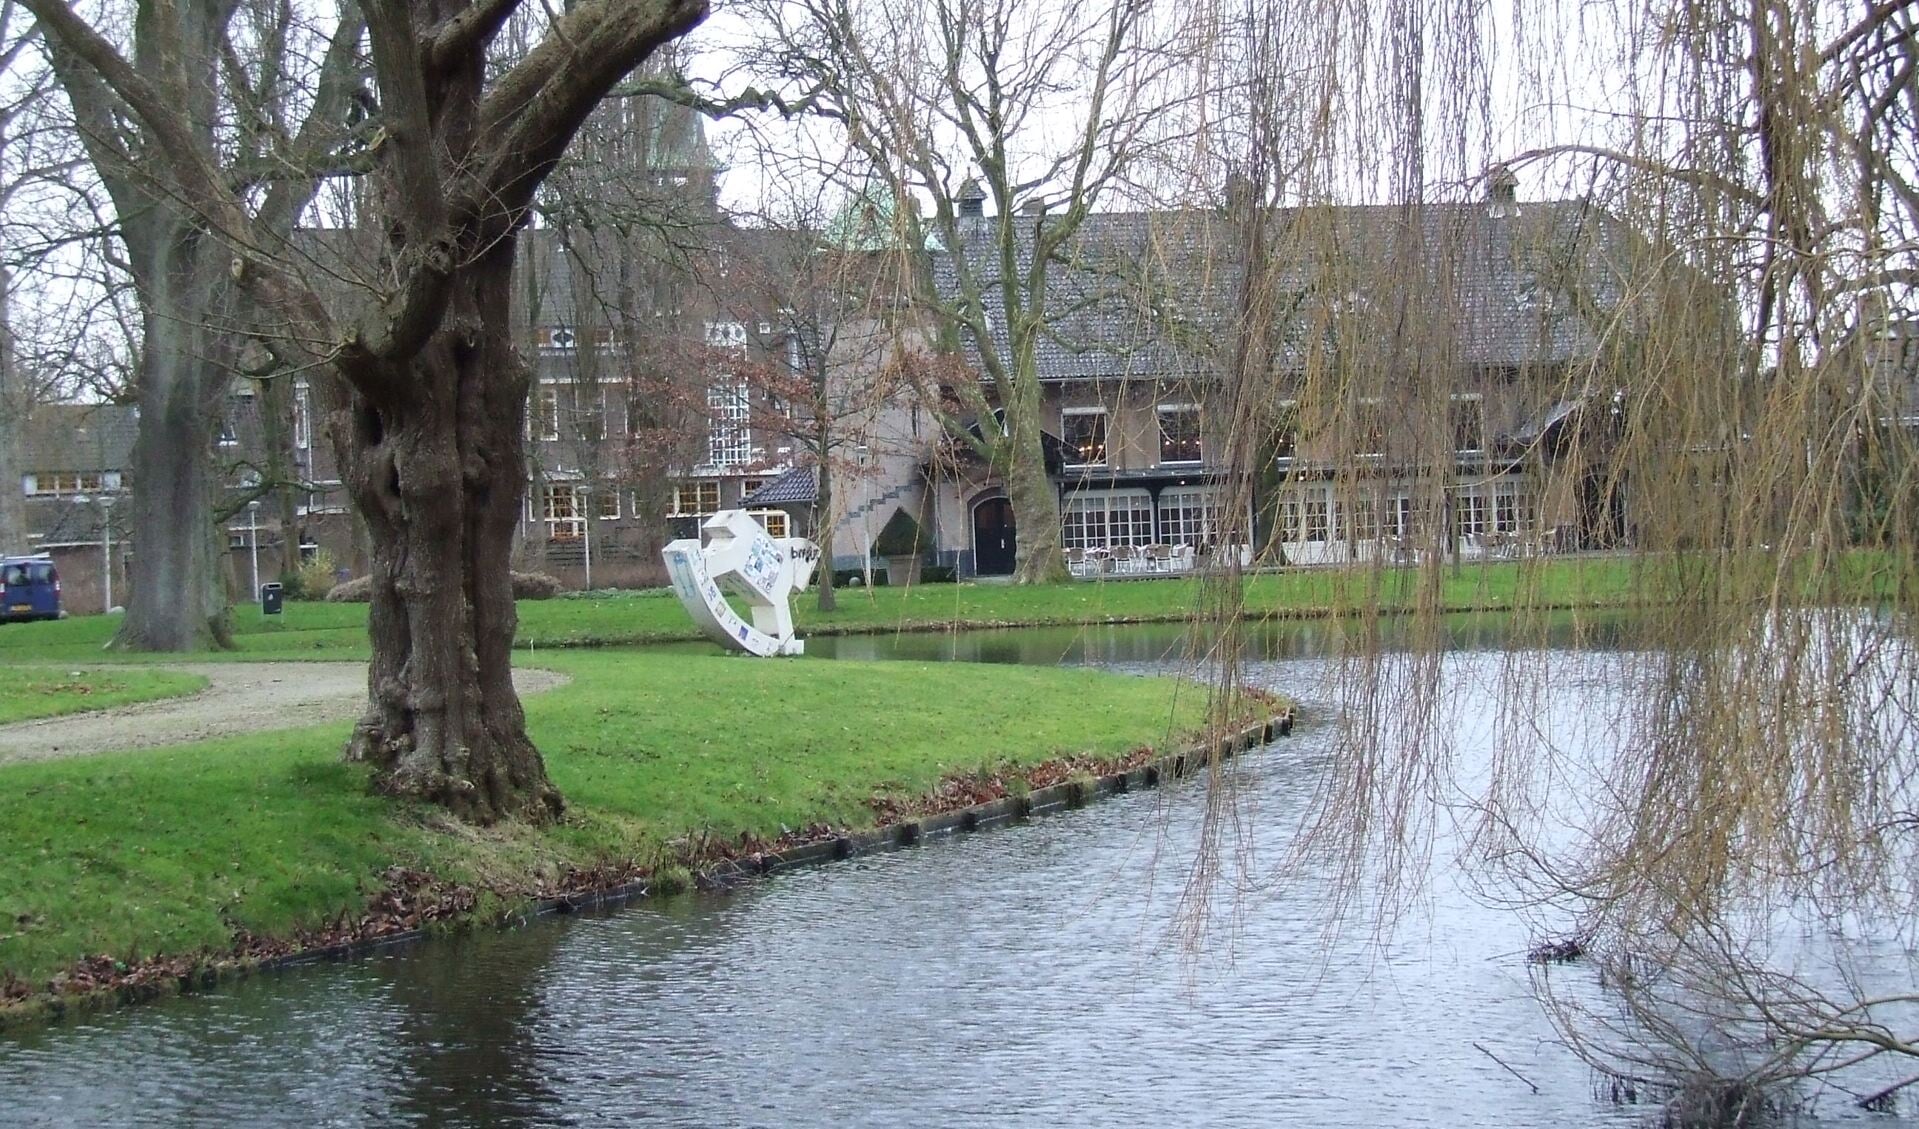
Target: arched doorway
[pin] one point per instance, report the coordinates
(994, 543)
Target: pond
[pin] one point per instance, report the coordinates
(1029, 975)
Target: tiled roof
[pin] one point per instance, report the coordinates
(796, 486)
(78, 437)
(1153, 294)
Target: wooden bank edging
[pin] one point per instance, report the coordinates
(834, 848)
(977, 817)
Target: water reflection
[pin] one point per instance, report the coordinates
(1273, 639)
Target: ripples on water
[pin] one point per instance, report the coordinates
(1025, 976)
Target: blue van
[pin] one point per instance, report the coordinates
(29, 589)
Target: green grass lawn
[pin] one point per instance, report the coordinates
(170, 850)
(29, 692)
(319, 630)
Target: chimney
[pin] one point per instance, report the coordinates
(1502, 191)
(1033, 207)
(1239, 193)
(971, 199)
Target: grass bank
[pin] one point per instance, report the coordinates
(191, 850)
(317, 630)
(28, 692)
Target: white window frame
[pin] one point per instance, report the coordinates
(1473, 510)
(1514, 506)
(302, 418)
(1100, 519)
(1161, 411)
(696, 486)
(560, 510)
(729, 438)
(1105, 435)
(64, 483)
(784, 522)
(1180, 522)
(544, 426)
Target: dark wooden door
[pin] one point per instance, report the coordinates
(993, 538)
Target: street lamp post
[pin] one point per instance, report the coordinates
(253, 542)
(106, 546)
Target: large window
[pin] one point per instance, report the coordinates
(695, 499)
(1317, 513)
(1084, 432)
(1406, 517)
(1188, 516)
(1179, 440)
(1099, 519)
(561, 510)
(729, 435)
(1512, 506)
(1473, 511)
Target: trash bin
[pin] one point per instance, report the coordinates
(271, 596)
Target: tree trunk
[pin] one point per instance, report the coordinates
(176, 575)
(828, 600)
(438, 470)
(1038, 557)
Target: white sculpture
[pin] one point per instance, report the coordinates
(740, 557)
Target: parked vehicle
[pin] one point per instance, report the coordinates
(29, 589)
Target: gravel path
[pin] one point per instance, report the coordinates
(239, 698)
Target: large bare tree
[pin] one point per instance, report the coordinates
(226, 73)
(430, 390)
(1045, 109)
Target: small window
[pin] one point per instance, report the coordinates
(773, 521)
(696, 499)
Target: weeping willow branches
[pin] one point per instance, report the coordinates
(1664, 314)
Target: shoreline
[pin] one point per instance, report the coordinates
(415, 907)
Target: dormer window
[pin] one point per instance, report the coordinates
(1467, 420)
(1534, 296)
